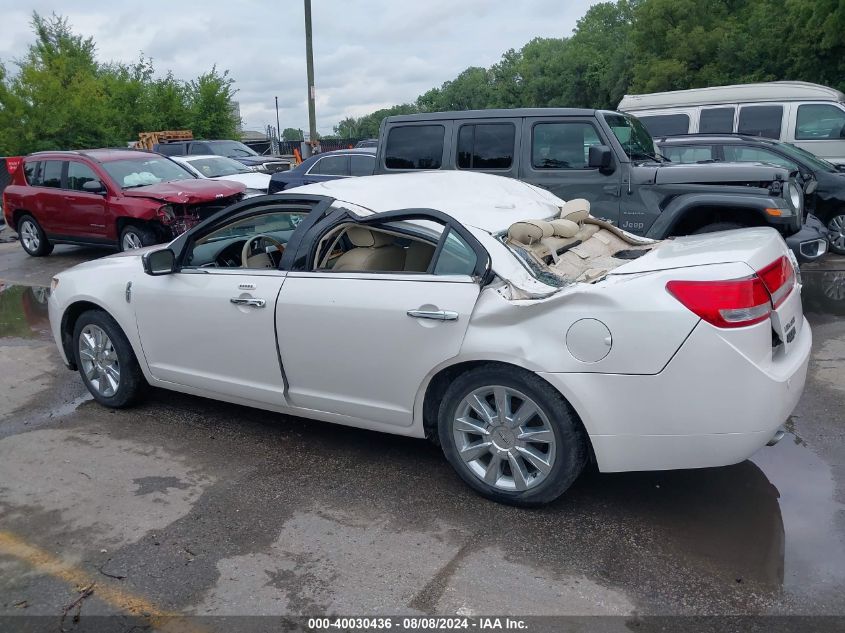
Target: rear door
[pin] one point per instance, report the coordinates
(554, 153)
(360, 344)
(48, 204)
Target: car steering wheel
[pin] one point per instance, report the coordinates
(259, 259)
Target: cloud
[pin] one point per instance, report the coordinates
(368, 54)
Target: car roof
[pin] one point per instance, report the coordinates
(351, 150)
(103, 155)
(490, 114)
(715, 138)
(776, 91)
(190, 157)
(487, 202)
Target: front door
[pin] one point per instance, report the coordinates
(84, 213)
(554, 156)
(361, 344)
(213, 330)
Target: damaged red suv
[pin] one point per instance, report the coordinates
(122, 199)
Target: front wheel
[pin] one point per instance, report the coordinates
(836, 237)
(133, 237)
(511, 436)
(32, 236)
(106, 362)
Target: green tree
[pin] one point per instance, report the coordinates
(293, 134)
(210, 99)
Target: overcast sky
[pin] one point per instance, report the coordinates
(368, 54)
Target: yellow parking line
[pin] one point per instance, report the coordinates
(47, 563)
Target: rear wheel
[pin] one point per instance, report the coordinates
(718, 226)
(836, 237)
(133, 237)
(32, 236)
(106, 362)
(511, 436)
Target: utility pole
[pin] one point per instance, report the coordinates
(309, 62)
(278, 127)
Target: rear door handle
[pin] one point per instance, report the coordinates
(255, 303)
(436, 315)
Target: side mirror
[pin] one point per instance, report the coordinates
(161, 262)
(93, 186)
(599, 157)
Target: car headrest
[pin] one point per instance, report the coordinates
(564, 228)
(530, 231)
(575, 210)
(365, 238)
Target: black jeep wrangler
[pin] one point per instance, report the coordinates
(610, 159)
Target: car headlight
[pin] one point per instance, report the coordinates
(793, 193)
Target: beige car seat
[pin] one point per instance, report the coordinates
(374, 251)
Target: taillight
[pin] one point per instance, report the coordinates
(779, 278)
(737, 302)
(733, 303)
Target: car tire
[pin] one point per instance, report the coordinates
(32, 237)
(106, 361)
(133, 237)
(836, 236)
(719, 226)
(511, 469)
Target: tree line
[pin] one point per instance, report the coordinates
(641, 46)
(62, 97)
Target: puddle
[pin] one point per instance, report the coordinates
(23, 311)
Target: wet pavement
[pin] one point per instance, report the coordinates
(186, 505)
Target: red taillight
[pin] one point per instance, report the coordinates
(779, 278)
(737, 302)
(733, 303)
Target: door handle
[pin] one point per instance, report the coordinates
(255, 303)
(436, 315)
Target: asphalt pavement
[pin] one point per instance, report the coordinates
(189, 506)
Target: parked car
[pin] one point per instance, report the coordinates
(367, 142)
(808, 115)
(429, 305)
(827, 201)
(231, 149)
(223, 168)
(608, 158)
(122, 199)
(326, 166)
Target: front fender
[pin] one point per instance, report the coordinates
(681, 206)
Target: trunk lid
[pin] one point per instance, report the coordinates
(758, 247)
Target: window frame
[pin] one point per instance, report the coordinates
(666, 150)
(686, 115)
(474, 124)
(740, 146)
(579, 121)
(62, 172)
(757, 106)
(362, 156)
(345, 158)
(732, 126)
(444, 149)
(86, 166)
(815, 138)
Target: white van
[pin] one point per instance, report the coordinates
(809, 115)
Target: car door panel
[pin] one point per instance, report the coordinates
(349, 346)
(193, 334)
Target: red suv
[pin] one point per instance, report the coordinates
(122, 199)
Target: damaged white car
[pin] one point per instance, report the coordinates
(519, 332)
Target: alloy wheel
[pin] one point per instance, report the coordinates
(504, 438)
(131, 241)
(99, 360)
(29, 236)
(836, 226)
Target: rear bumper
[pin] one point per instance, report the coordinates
(710, 406)
(810, 243)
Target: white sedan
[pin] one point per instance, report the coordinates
(223, 168)
(514, 329)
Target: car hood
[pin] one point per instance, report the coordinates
(253, 180)
(254, 160)
(187, 191)
(679, 173)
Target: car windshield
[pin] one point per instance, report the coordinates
(803, 155)
(632, 135)
(139, 172)
(232, 148)
(218, 166)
